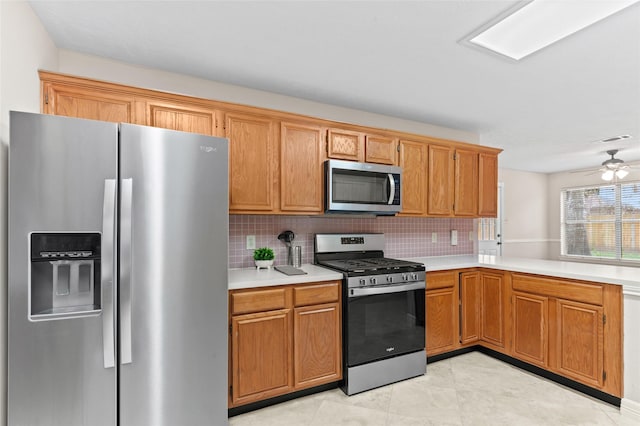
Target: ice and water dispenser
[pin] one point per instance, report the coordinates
(65, 275)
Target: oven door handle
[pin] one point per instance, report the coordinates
(386, 289)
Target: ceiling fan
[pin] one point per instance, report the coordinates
(611, 167)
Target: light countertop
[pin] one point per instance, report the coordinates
(628, 277)
(252, 277)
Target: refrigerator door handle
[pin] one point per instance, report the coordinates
(125, 271)
(108, 234)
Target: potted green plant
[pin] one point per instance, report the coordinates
(263, 257)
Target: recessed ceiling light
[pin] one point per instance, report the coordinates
(537, 24)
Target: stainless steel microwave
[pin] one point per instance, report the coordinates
(362, 188)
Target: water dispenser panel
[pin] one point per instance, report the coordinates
(65, 275)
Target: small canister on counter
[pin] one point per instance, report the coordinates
(296, 256)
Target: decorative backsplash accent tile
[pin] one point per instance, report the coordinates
(405, 236)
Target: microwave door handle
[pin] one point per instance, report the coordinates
(392, 188)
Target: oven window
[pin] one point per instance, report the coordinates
(383, 326)
(360, 187)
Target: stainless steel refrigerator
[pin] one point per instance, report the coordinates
(118, 240)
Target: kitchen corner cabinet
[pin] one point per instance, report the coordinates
(442, 316)
(301, 163)
(253, 163)
(483, 302)
(283, 339)
(565, 325)
(412, 159)
(354, 145)
(469, 307)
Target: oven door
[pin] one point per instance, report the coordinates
(383, 322)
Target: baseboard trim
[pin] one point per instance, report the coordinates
(595, 393)
(630, 409)
(278, 399)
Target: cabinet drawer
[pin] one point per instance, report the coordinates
(316, 294)
(571, 290)
(257, 301)
(441, 280)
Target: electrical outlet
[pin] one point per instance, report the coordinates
(454, 237)
(251, 242)
(434, 237)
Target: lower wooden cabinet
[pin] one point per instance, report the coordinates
(442, 312)
(260, 355)
(579, 342)
(531, 328)
(469, 307)
(283, 339)
(565, 325)
(492, 308)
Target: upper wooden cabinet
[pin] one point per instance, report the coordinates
(440, 180)
(487, 185)
(301, 168)
(183, 117)
(466, 183)
(274, 155)
(358, 146)
(412, 159)
(89, 103)
(253, 162)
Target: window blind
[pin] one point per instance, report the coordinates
(602, 221)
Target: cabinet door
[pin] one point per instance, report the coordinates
(186, 118)
(466, 183)
(380, 149)
(345, 145)
(440, 174)
(579, 342)
(488, 185)
(492, 310)
(252, 162)
(530, 328)
(413, 160)
(301, 172)
(470, 305)
(318, 345)
(83, 102)
(261, 356)
(441, 315)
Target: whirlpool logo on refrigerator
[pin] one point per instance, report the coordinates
(207, 149)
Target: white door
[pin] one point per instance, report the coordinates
(490, 230)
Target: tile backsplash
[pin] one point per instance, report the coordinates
(405, 236)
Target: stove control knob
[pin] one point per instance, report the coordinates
(404, 277)
(362, 281)
(389, 279)
(373, 281)
(414, 277)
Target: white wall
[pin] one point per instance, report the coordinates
(24, 48)
(559, 181)
(525, 216)
(118, 72)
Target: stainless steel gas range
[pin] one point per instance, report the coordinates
(383, 310)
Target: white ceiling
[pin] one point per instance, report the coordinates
(398, 58)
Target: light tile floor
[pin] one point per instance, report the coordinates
(471, 389)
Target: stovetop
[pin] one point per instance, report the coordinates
(377, 265)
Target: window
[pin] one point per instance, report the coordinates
(602, 222)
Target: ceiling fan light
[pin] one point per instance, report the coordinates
(607, 175)
(620, 174)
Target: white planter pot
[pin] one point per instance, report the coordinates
(266, 264)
